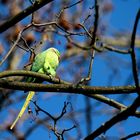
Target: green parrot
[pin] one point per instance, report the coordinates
(46, 63)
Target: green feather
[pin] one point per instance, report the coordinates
(46, 63)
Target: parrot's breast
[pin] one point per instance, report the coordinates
(53, 60)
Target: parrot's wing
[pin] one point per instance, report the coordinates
(39, 61)
(37, 65)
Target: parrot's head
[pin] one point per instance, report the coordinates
(56, 52)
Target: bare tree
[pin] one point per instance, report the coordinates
(77, 29)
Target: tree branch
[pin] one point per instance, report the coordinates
(31, 74)
(129, 111)
(131, 135)
(89, 90)
(117, 118)
(12, 21)
(132, 52)
(66, 87)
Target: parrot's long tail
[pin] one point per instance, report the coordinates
(25, 105)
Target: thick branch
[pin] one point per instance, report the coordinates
(31, 74)
(59, 85)
(71, 88)
(66, 87)
(12, 21)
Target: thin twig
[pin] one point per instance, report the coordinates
(38, 109)
(66, 130)
(132, 52)
(23, 48)
(55, 119)
(113, 49)
(95, 23)
(88, 78)
(66, 7)
(26, 45)
(86, 30)
(11, 49)
(131, 135)
(15, 44)
(92, 43)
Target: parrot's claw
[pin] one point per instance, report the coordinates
(50, 76)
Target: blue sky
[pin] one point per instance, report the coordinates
(123, 15)
(120, 20)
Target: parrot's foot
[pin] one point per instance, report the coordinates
(51, 77)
